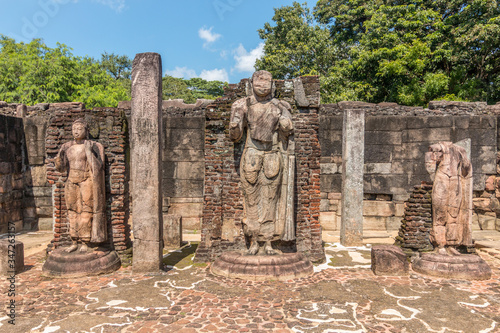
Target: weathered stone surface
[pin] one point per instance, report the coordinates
(21, 111)
(427, 135)
(61, 264)
(328, 221)
(267, 167)
(85, 191)
(378, 168)
(378, 208)
(389, 260)
(223, 198)
(451, 171)
(351, 228)
(286, 266)
(11, 256)
(490, 183)
(146, 176)
(465, 266)
(383, 137)
(374, 223)
(172, 230)
(38, 175)
(300, 95)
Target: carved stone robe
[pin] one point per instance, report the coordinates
(267, 167)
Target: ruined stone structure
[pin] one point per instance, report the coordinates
(416, 226)
(451, 172)
(394, 146)
(222, 228)
(108, 127)
(196, 141)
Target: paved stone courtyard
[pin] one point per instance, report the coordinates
(342, 295)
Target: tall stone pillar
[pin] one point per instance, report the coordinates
(146, 148)
(353, 148)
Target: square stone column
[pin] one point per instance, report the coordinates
(146, 173)
(353, 156)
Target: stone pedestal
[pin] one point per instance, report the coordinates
(11, 257)
(389, 260)
(283, 267)
(146, 175)
(465, 266)
(61, 264)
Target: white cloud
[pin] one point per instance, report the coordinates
(245, 61)
(208, 36)
(215, 75)
(182, 72)
(209, 75)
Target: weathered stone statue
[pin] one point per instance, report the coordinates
(451, 172)
(267, 164)
(85, 190)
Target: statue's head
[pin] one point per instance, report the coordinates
(80, 129)
(262, 82)
(434, 156)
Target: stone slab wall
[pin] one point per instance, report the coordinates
(39, 191)
(109, 127)
(395, 144)
(15, 208)
(183, 161)
(223, 199)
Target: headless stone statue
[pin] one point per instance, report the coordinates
(85, 189)
(267, 164)
(451, 172)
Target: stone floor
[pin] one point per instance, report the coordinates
(342, 295)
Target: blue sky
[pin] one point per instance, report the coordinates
(212, 39)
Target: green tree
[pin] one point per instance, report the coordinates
(191, 89)
(402, 51)
(34, 73)
(119, 67)
(296, 45)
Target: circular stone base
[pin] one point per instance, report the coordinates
(464, 266)
(281, 267)
(76, 264)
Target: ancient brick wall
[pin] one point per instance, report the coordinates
(223, 199)
(17, 213)
(107, 126)
(413, 235)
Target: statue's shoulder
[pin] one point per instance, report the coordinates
(66, 145)
(97, 144)
(241, 103)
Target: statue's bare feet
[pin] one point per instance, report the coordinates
(453, 251)
(268, 249)
(254, 248)
(83, 248)
(72, 248)
(442, 250)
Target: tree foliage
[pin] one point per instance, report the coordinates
(402, 51)
(296, 45)
(34, 73)
(191, 89)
